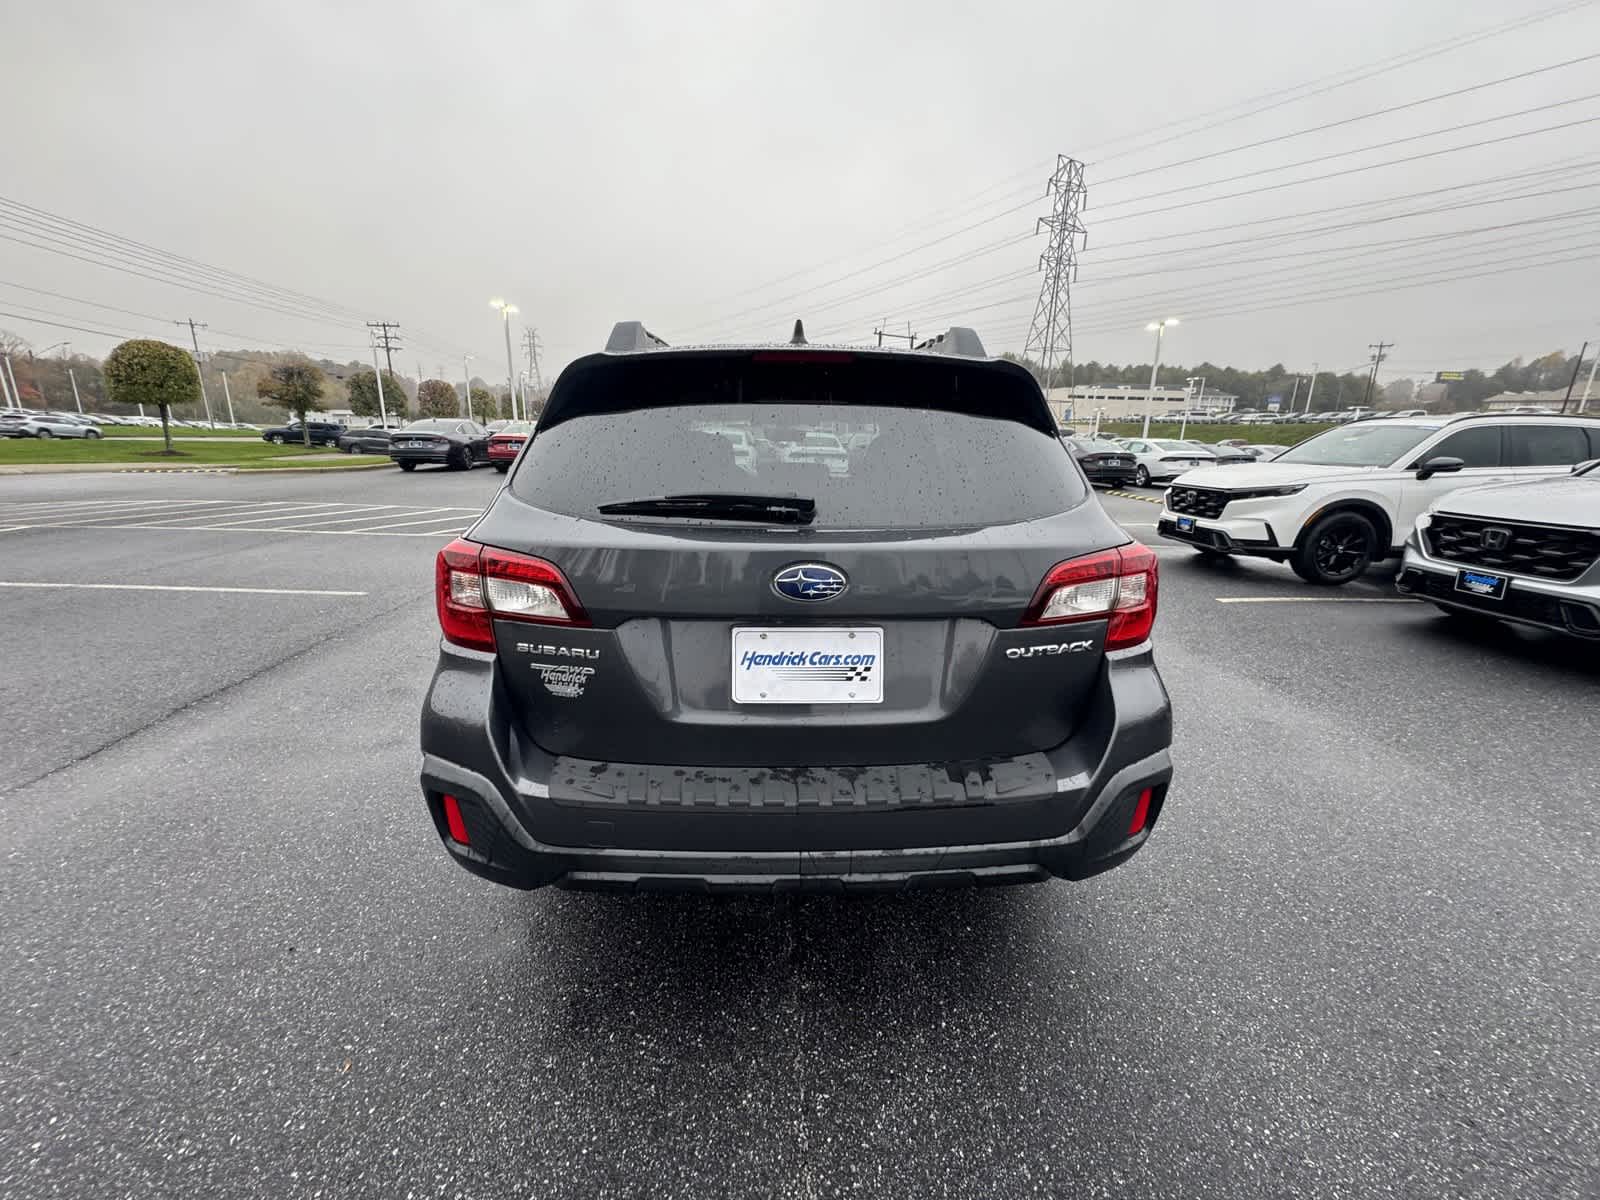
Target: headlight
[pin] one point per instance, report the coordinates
(1288, 489)
(1424, 520)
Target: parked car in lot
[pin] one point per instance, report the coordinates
(1102, 461)
(444, 441)
(1223, 456)
(1344, 499)
(1159, 459)
(1528, 553)
(323, 433)
(506, 443)
(374, 439)
(659, 670)
(20, 423)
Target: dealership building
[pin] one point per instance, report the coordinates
(1125, 402)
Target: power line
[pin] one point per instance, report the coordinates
(1382, 112)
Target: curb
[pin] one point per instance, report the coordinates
(1134, 496)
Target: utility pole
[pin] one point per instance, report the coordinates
(76, 399)
(383, 408)
(1583, 402)
(1311, 391)
(5, 389)
(195, 338)
(911, 338)
(1576, 367)
(1294, 395)
(466, 379)
(228, 392)
(1050, 331)
(387, 335)
(1379, 350)
(16, 395)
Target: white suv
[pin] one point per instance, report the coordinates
(1337, 502)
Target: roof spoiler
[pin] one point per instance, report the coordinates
(632, 335)
(957, 340)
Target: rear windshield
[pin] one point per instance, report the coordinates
(867, 466)
(432, 426)
(1358, 445)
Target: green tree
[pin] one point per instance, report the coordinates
(296, 386)
(363, 387)
(436, 398)
(485, 407)
(143, 371)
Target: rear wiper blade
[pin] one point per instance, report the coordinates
(724, 506)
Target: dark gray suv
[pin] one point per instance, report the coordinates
(679, 652)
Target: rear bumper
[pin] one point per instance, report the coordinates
(421, 456)
(534, 819)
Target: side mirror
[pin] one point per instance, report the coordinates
(1584, 468)
(1439, 466)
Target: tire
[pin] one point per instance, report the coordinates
(276, 439)
(502, 467)
(457, 461)
(92, 434)
(408, 466)
(1336, 549)
(44, 433)
(1141, 477)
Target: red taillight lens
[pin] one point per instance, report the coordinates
(453, 823)
(1118, 585)
(1141, 813)
(475, 584)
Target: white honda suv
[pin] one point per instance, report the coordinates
(1337, 502)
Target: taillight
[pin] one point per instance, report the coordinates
(1118, 585)
(475, 584)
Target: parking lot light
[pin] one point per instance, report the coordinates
(1160, 327)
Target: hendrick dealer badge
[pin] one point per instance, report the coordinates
(808, 666)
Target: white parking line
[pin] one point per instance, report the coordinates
(164, 587)
(399, 524)
(147, 510)
(314, 512)
(261, 510)
(251, 529)
(1315, 600)
(372, 516)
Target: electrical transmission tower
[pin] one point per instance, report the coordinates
(1050, 334)
(530, 345)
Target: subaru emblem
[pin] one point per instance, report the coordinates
(809, 581)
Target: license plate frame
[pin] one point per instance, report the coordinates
(816, 665)
(1485, 585)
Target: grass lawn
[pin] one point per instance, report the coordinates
(178, 431)
(1265, 435)
(198, 453)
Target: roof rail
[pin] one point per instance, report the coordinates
(1479, 416)
(631, 335)
(957, 340)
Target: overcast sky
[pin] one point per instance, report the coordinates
(718, 169)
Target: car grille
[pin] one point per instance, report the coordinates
(1197, 501)
(1540, 551)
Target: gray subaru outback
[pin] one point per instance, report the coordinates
(684, 648)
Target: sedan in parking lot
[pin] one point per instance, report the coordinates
(1102, 461)
(506, 443)
(447, 442)
(1228, 455)
(1159, 459)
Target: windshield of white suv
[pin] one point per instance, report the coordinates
(1357, 445)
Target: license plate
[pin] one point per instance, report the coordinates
(793, 665)
(1481, 583)
(1185, 524)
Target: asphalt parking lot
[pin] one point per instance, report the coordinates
(1357, 959)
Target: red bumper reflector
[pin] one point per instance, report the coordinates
(1141, 814)
(458, 827)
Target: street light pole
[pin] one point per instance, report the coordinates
(1160, 328)
(511, 371)
(16, 396)
(1312, 390)
(228, 393)
(466, 379)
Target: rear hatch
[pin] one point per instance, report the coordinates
(872, 612)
